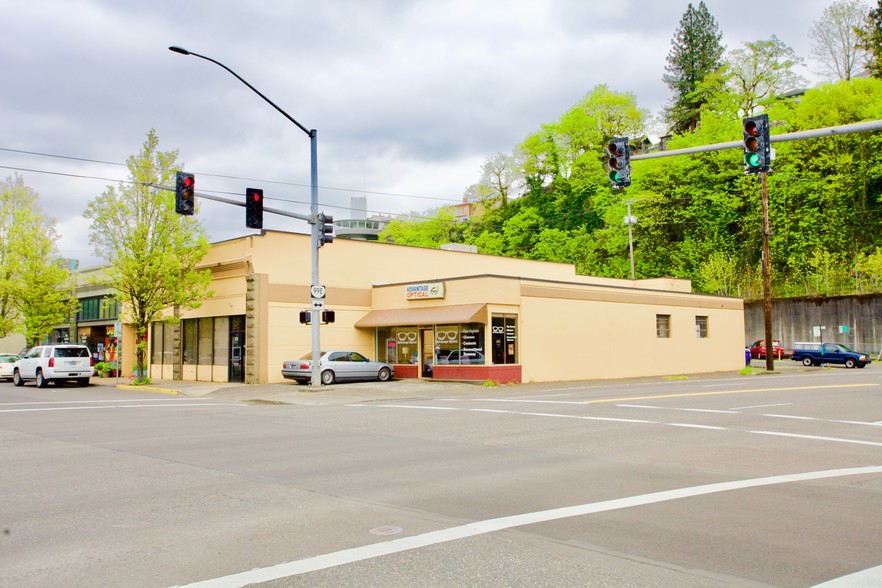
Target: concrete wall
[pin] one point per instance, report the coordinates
(793, 319)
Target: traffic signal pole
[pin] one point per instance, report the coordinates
(861, 127)
(313, 208)
(767, 278)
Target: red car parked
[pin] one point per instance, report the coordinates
(758, 349)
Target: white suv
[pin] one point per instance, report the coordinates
(54, 363)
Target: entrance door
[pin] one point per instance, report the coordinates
(427, 352)
(237, 349)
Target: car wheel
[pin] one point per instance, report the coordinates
(849, 363)
(327, 377)
(41, 381)
(83, 382)
(16, 379)
(807, 361)
(384, 375)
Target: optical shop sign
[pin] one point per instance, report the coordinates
(424, 291)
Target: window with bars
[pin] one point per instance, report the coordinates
(701, 327)
(663, 326)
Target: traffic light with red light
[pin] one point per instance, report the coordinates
(757, 148)
(325, 228)
(185, 193)
(619, 163)
(254, 208)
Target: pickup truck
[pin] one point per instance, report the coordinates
(818, 353)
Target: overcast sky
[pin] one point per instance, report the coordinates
(408, 97)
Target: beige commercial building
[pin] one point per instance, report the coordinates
(441, 314)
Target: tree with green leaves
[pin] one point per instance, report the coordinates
(152, 253)
(836, 47)
(870, 40)
(35, 287)
(696, 53)
(760, 71)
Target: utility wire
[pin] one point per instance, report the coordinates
(229, 177)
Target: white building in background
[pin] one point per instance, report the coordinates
(359, 226)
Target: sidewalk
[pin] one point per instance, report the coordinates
(292, 393)
(359, 392)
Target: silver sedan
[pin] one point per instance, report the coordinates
(338, 366)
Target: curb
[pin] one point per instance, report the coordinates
(147, 389)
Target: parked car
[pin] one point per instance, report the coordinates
(338, 366)
(758, 349)
(818, 353)
(54, 363)
(463, 357)
(7, 361)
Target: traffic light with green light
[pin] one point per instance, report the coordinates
(757, 148)
(619, 163)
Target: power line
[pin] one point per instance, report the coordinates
(116, 180)
(229, 177)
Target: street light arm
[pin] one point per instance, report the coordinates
(183, 51)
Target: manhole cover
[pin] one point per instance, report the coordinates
(386, 530)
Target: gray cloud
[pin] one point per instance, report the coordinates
(408, 96)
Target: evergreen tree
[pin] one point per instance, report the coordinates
(870, 40)
(696, 52)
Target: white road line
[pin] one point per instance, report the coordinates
(869, 578)
(689, 426)
(347, 556)
(93, 401)
(681, 409)
(818, 438)
(526, 401)
(859, 423)
(790, 416)
(126, 407)
(763, 406)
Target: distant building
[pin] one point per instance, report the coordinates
(466, 210)
(359, 226)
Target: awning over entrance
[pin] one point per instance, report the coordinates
(433, 315)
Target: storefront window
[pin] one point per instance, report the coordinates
(454, 344)
(504, 331)
(191, 334)
(206, 339)
(156, 343)
(221, 340)
(397, 344)
(168, 344)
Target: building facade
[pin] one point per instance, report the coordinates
(441, 314)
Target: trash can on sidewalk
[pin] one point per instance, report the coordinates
(746, 356)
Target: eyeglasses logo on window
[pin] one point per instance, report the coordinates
(404, 337)
(446, 336)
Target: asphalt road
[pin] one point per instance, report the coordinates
(769, 480)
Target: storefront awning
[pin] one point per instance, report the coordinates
(433, 315)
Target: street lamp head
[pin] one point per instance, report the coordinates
(180, 50)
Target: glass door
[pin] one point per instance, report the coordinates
(427, 352)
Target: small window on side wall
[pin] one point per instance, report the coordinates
(663, 326)
(701, 327)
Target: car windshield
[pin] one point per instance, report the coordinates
(843, 347)
(8, 358)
